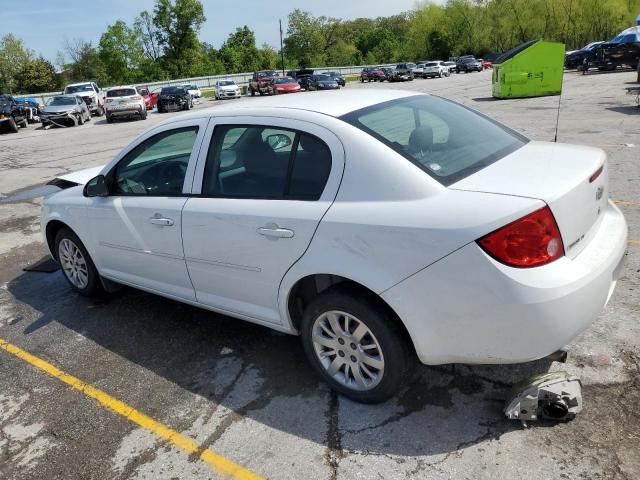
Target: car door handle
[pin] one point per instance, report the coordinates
(275, 231)
(165, 222)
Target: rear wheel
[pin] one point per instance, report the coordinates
(100, 111)
(143, 114)
(77, 266)
(109, 119)
(355, 346)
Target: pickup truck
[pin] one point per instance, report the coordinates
(261, 82)
(12, 114)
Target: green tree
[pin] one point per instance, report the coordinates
(36, 76)
(122, 53)
(176, 32)
(13, 57)
(268, 57)
(86, 62)
(239, 53)
(305, 42)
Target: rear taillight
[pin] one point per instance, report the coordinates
(531, 241)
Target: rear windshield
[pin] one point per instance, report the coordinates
(86, 87)
(121, 92)
(172, 90)
(431, 64)
(443, 138)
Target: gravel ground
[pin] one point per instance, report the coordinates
(247, 392)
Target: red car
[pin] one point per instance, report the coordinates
(284, 85)
(486, 63)
(150, 99)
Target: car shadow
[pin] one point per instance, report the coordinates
(443, 409)
(627, 110)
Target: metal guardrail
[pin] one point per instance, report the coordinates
(210, 81)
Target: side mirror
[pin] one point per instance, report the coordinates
(278, 141)
(96, 187)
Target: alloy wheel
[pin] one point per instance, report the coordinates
(348, 350)
(73, 263)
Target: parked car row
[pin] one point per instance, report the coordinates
(423, 69)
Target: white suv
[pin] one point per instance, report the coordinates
(90, 93)
(435, 69)
(193, 90)
(124, 102)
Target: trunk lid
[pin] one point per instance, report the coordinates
(560, 176)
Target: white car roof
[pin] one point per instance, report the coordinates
(334, 104)
(79, 83)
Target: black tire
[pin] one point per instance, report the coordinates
(13, 126)
(100, 111)
(80, 119)
(394, 349)
(94, 285)
(109, 119)
(143, 114)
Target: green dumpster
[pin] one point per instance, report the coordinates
(533, 69)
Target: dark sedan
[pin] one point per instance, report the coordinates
(337, 76)
(468, 64)
(174, 98)
(574, 60)
(322, 82)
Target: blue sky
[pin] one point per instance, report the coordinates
(43, 24)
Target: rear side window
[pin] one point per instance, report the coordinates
(446, 140)
(121, 92)
(262, 162)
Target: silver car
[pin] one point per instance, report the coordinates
(65, 111)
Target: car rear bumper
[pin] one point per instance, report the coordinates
(124, 111)
(469, 308)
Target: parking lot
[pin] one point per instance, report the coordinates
(209, 383)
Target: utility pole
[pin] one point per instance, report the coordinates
(281, 47)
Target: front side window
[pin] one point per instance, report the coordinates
(263, 162)
(446, 140)
(157, 166)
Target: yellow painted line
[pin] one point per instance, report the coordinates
(220, 464)
(626, 202)
(634, 242)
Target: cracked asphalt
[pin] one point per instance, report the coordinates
(248, 393)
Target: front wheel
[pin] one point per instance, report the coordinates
(77, 266)
(13, 126)
(100, 111)
(355, 346)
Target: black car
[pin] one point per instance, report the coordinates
(12, 114)
(468, 64)
(622, 51)
(322, 82)
(574, 60)
(301, 76)
(174, 98)
(338, 77)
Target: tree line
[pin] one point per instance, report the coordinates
(164, 43)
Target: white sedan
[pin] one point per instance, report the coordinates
(380, 226)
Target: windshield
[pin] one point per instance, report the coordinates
(121, 92)
(270, 73)
(172, 91)
(61, 100)
(225, 83)
(285, 80)
(431, 64)
(323, 78)
(143, 91)
(446, 140)
(190, 87)
(468, 60)
(79, 88)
